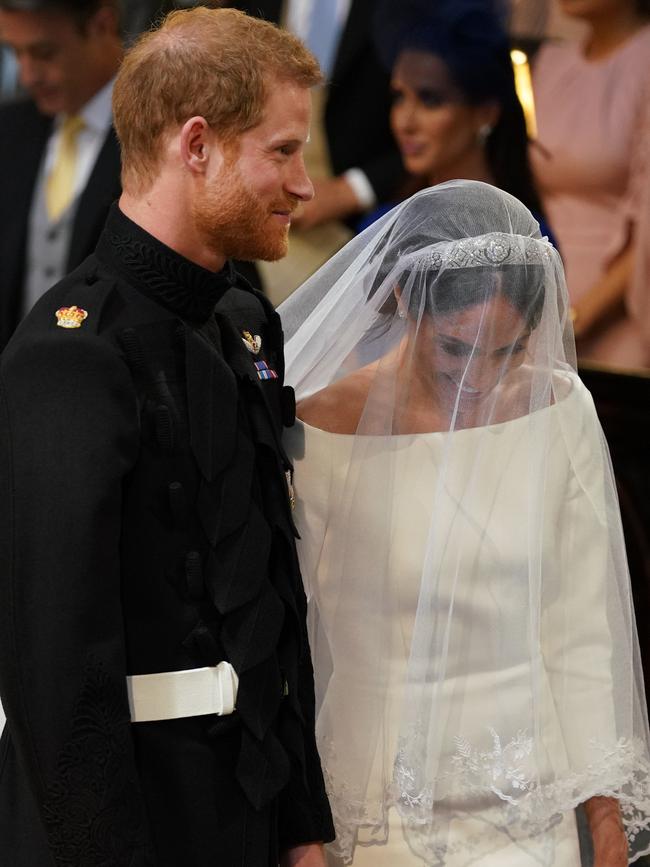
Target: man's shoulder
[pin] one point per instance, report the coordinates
(84, 316)
(60, 329)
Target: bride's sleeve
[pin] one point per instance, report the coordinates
(587, 617)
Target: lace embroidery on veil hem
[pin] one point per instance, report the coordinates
(527, 810)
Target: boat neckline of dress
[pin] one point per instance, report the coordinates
(572, 380)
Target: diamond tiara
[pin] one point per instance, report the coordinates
(496, 248)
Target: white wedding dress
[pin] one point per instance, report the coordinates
(486, 533)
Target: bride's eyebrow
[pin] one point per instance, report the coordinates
(469, 347)
(454, 342)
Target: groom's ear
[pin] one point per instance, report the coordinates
(202, 151)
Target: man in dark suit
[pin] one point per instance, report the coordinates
(363, 155)
(154, 662)
(68, 53)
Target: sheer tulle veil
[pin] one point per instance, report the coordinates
(487, 674)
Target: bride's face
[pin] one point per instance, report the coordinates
(470, 351)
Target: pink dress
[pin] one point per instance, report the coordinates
(592, 167)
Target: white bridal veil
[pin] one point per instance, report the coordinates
(477, 669)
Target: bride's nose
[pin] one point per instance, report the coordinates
(483, 374)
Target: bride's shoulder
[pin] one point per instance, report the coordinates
(338, 407)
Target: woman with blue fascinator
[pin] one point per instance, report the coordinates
(476, 664)
(455, 110)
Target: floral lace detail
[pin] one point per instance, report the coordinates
(93, 811)
(350, 810)
(496, 786)
(526, 807)
(499, 767)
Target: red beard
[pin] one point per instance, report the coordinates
(237, 224)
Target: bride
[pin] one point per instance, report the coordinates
(476, 665)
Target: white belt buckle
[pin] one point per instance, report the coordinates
(225, 683)
(178, 694)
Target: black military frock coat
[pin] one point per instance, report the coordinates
(145, 526)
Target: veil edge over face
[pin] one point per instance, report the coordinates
(476, 664)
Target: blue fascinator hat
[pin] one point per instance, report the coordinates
(470, 36)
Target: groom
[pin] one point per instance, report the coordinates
(154, 664)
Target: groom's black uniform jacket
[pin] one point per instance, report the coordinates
(145, 526)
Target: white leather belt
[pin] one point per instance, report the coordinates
(177, 694)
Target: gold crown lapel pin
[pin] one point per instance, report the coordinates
(253, 342)
(70, 317)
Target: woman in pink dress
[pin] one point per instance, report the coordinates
(592, 165)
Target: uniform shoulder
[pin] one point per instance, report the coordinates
(64, 326)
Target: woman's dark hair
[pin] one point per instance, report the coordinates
(643, 8)
(452, 289)
(470, 37)
(458, 288)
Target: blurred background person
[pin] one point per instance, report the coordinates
(455, 111)
(593, 171)
(59, 158)
(352, 157)
(593, 103)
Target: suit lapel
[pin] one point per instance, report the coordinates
(31, 140)
(102, 189)
(21, 183)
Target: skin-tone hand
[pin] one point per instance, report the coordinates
(610, 842)
(605, 296)
(309, 855)
(334, 199)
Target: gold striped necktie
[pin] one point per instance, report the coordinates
(60, 181)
